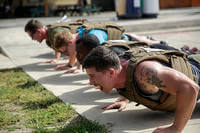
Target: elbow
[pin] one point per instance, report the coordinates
(191, 90)
(195, 90)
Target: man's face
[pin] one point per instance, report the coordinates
(102, 80)
(37, 36)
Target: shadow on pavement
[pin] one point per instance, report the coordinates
(64, 79)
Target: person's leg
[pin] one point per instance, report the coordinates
(194, 50)
(163, 45)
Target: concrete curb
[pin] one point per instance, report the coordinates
(3, 51)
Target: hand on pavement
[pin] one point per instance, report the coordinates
(120, 105)
(51, 61)
(62, 67)
(75, 71)
(170, 129)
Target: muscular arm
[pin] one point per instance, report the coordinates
(152, 76)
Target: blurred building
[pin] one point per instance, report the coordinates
(40, 8)
(178, 3)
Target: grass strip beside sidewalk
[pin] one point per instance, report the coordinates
(25, 105)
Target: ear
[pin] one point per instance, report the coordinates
(111, 72)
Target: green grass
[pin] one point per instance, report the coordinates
(82, 125)
(25, 104)
(7, 118)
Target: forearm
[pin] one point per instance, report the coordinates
(185, 101)
(72, 59)
(78, 65)
(57, 55)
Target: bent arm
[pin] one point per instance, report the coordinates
(154, 75)
(186, 92)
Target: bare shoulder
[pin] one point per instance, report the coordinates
(152, 76)
(148, 68)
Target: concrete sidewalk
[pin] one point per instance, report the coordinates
(74, 89)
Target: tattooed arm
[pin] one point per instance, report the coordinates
(152, 76)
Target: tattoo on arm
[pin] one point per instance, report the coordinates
(150, 76)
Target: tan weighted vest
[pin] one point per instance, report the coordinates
(113, 30)
(124, 44)
(71, 26)
(175, 59)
